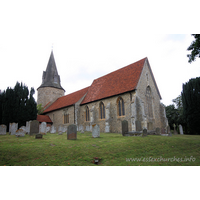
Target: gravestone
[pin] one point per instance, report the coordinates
(95, 131)
(20, 132)
(175, 132)
(72, 132)
(144, 133)
(82, 131)
(157, 131)
(13, 128)
(48, 129)
(28, 127)
(23, 128)
(34, 127)
(3, 129)
(181, 129)
(43, 127)
(60, 129)
(64, 128)
(38, 136)
(168, 130)
(138, 125)
(124, 127)
(53, 129)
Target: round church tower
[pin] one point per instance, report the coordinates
(50, 89)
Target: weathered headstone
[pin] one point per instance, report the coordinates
(28, 127)
(53, 129)
(60, 129)
(175, 132)
(20, 132)
(144, 133)
(13, 128)
(168, 130)
(181, 129)
(43, 127)
(95, 131)
(64, 128)
(72, 132)
(48, 129)
(38, 136)
(34, 127)
(3, 129)
(82, 131)
(157, 131)
(124, 127)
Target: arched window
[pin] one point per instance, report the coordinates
(149, 102)
(87, 114)
(120, 106)
(102, 111)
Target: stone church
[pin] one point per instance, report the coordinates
(129, 93)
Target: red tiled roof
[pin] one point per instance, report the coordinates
(117, 82)
(67, 100)
(43, 118)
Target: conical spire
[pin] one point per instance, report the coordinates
(50, 77)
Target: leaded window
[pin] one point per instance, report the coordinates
(121, 110)
(87, 114)
(102, 111)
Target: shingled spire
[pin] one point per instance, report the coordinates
(50, 77)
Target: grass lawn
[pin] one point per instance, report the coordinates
(111, 148)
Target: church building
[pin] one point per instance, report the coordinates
(129, 93)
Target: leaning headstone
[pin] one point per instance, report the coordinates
(144, 133)
(124, 127)
(181, 129)
(48, 129)
(43, 127)
(53, 129)
(72, 132)
(20, 132)
(23, 128)
(34, 127)
(3, 129)
(38, 136)
(13, 128)
(95, 131)
(157, 131)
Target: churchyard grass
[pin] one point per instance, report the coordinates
(111, 149)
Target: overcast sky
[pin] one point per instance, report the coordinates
(91, 39)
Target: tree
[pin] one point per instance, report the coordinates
(17, 105)
(172, 115)
(191, 105)
(195, 48)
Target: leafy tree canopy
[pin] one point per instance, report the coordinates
(195, 48)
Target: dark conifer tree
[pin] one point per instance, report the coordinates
(191, 105)
(17, 105)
